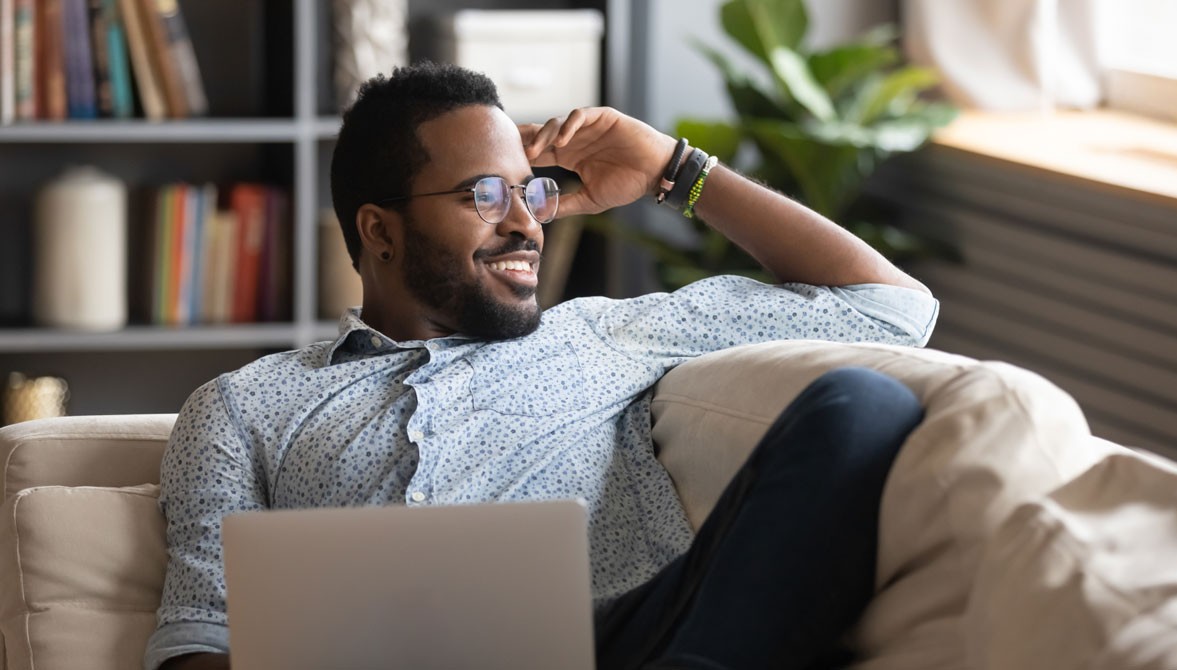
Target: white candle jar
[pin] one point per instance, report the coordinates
(80, 252)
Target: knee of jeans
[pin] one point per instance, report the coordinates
(871, 407)
(868, 387)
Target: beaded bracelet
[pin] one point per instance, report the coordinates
(697, 187)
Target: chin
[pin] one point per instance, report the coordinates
(494, 320)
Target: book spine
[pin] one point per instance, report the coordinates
(248, 202)
(122, 100)
(208, 250)
(50, 66)
(160, 56)
(145, 79)
(24, 31)
(162, 254)
(7, 63)
(79, 66)
(100, 41)
(183, 56)
(178, 295)
(226, 263)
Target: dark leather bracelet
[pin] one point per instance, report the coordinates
(671, 170)
(677, 198)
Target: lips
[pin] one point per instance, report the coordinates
(518, 269)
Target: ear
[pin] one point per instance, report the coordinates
(380, 230)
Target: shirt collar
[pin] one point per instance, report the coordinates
(359, 340)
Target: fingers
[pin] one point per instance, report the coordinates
(541, 142)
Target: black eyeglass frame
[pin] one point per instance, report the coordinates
(474, 189)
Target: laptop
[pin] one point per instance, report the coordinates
(491, 586)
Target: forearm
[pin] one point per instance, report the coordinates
(197, 662)
(793, 242)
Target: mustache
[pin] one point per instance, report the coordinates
(510, 246)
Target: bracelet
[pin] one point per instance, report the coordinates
(671, 170)
(677, 198)
(697, 187)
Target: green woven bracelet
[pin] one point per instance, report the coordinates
(697, 187)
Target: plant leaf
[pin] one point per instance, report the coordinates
(839, 70)
(747, 98)
(792, 72)
(715, 137)
(879, 93)
(829, 174)
(763, 25)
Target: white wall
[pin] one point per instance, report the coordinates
(681, 82)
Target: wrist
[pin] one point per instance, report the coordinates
(664, 181)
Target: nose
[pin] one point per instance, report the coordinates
(519, 219)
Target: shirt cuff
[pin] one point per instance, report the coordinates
(905, 312)
(177, 639)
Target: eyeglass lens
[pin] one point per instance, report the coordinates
(492, 198)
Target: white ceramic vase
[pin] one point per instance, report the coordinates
(80, 252)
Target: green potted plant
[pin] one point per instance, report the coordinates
(821, 122)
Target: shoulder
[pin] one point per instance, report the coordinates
(269, 371)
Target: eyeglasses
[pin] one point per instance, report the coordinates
(492, 198)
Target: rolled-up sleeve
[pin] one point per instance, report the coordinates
(208, 471)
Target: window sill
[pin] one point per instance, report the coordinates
(1102, 149)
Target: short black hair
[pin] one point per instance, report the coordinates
(378, 151)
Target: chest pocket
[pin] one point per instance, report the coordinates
(527, 379)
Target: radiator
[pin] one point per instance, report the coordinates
(1074, 280)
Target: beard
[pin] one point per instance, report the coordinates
(433, 275)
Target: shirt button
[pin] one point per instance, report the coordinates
(416, 435)
(377, 342)
(417, 496)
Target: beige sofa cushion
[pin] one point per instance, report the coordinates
(82, 576)
(85, 450)
(1102, 549)
(994, 437)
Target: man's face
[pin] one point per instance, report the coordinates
(467, 275)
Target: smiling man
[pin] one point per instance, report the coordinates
(450, 386)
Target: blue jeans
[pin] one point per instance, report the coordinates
(785, 563)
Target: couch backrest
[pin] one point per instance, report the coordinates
(82, 551)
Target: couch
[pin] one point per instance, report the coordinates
(1010, 538)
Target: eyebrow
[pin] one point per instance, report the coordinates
(469, 182)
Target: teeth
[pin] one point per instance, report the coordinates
(510, 265)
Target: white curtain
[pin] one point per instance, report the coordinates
(1008, 54)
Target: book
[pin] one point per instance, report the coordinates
(274, 276)
(7, 62)
(79, 65)
(24, 31)
(201, 214)
(161, 255)
(50, 63)
(224, 264)
(183, 56)
(163, 64)
(181, 254)
(150, 95)
(119, 69)
(99, 43)
(248, 201)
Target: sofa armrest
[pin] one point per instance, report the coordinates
(116, 450)
(994, 437)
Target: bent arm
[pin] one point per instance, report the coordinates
(793, 242)
(208, 471)
(621, 159)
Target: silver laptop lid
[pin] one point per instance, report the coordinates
(502, 586)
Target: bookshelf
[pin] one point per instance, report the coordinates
(266, 66)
